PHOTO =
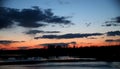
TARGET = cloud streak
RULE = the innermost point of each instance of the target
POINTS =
(112, 40)
(113, 33)
(91, 38)
(55, 44)
(69, 36)
(33, 32)
(113, 22)
(6, 42)
(23, 48)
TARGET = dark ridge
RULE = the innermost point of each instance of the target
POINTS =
(104, 53)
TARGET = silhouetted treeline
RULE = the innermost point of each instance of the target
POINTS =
(109, 53)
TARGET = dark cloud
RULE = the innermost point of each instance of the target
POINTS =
(69, 36)
(23, 48)
(55, 44)
(2, 2)
(30, 18)
(109, 24)
(113, 22)
(117, 3)
(112, 40)
(5, 21)
(73, 42)
(51, 32)
(113, 33)
(5, 42)
(117, 19)
(31, 32)
(91, 38)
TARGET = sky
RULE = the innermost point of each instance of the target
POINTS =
(31, 23)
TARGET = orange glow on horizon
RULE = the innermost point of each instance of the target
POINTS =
(80, 42)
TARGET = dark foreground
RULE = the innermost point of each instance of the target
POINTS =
(104, 53)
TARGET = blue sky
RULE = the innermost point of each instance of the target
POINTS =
(88, 17)
(95, 12)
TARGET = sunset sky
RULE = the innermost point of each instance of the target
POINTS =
(30, 23)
